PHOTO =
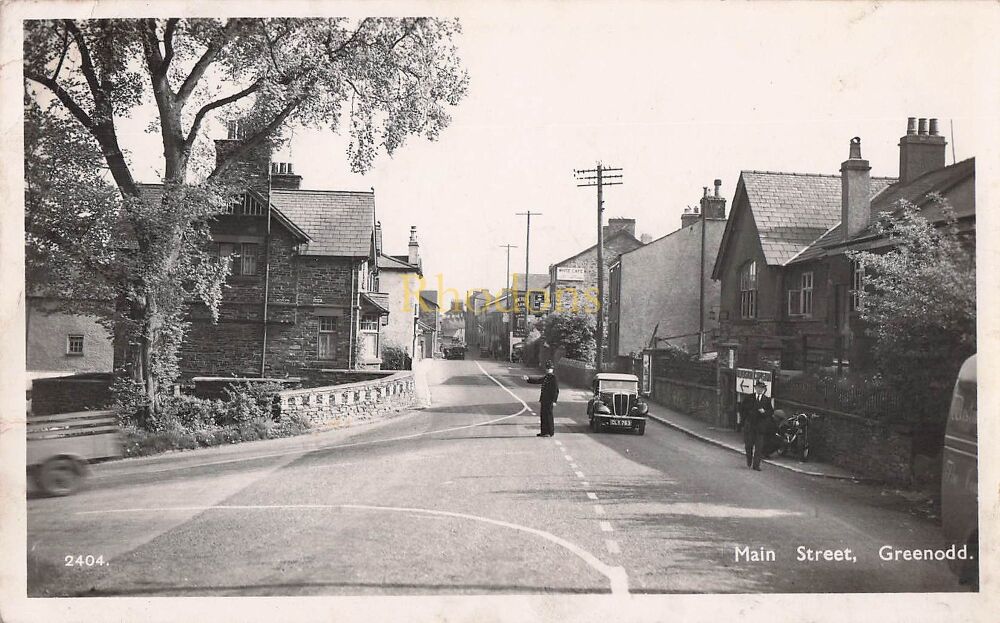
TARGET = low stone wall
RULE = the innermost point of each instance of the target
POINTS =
(700, 401)
(66, 394)
(866, 447)
(354, 402)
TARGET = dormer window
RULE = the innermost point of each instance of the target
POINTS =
(247, 205)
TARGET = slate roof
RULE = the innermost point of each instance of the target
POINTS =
(916, 191)
(617, 234)
(152, 193)
(792, 210)
(340, 223)
(536, 281)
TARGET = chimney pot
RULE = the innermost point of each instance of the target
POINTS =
(911, 125)
(934, 127)
(855, 148)
(705, 189)
(922, 127)
(718, 183)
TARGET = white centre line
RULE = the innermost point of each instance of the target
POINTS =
(606, 526)
(579, 475)
(567, 457)
(559, 443)
(598, 509)
(585, 483)
(612, 546)
(591, 495)
(572, 465)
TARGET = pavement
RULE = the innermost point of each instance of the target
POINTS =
(733, 440)
(461, 498)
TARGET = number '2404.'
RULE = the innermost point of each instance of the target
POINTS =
(84, 561)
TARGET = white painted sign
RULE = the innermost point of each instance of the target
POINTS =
(747, 377)
(570, 274)
(647, 373)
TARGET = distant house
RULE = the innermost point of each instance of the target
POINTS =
(573, 281)
(399, 277)
(429, 323)
(789, 294)
(59, 343)
(656, 297)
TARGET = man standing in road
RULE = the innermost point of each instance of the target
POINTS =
(547, 398)
(756, 411)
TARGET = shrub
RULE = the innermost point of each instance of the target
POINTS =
(395, 358)
(248, 402)
(573, 332)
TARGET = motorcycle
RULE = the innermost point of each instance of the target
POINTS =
(793, 435)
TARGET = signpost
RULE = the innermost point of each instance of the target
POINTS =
(747, 377)
(647, 373)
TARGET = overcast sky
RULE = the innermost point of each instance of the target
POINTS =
(677, 95)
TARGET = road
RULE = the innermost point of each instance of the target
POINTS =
(463, 498)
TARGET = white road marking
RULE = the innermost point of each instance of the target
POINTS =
(559, 443)
(615, 575)
(585, 483)
(612, 546)
(579, 474)
(591, 495)
(569, 458)
(573, 465)
(606, 526)
(598, 509)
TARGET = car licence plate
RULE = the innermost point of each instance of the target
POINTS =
(619, 422)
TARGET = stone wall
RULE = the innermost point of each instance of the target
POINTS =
(866, 447)
(355, 402)
(81, 392)
(700, 401)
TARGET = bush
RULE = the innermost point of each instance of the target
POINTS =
(573, 332)
(247, 403)
(395, 358)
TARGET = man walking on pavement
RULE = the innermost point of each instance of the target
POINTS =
(547, 398)
(756, 411)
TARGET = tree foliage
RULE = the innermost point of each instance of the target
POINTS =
(919, 303)
(384, 78)
(574, 332)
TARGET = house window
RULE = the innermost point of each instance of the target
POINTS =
(248, 257)
(857, 284)
(369, 322)
(74, 344)
(326, 346)
(748, 290)
(800, 301)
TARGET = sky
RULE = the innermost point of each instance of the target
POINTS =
(677, 95)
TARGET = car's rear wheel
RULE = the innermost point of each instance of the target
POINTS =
(59, 476)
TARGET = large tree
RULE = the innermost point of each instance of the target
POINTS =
(384, 78)
(919, 303)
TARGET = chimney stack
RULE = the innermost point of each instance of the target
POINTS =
(414, 256)
(617, 224)
(251, 169)
(921, 149)
(856, 187)
(713, 206)
(283, 177)
(690, 216)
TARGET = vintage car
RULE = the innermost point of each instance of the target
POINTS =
(61, 446)
(454, 352)
(616, 404)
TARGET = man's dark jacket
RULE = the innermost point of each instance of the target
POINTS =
(550, 387)
(749, 409)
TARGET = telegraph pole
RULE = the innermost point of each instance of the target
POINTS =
(508, 247)
(599, 177)
(527, 248)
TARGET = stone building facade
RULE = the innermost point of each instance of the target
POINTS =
(655, 296)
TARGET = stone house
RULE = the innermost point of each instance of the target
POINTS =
(429, 323)
(573, 281)
(303, 293)
(59, 343)
(655, 295)
(789, 295)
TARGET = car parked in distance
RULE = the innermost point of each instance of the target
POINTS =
(454, 352)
